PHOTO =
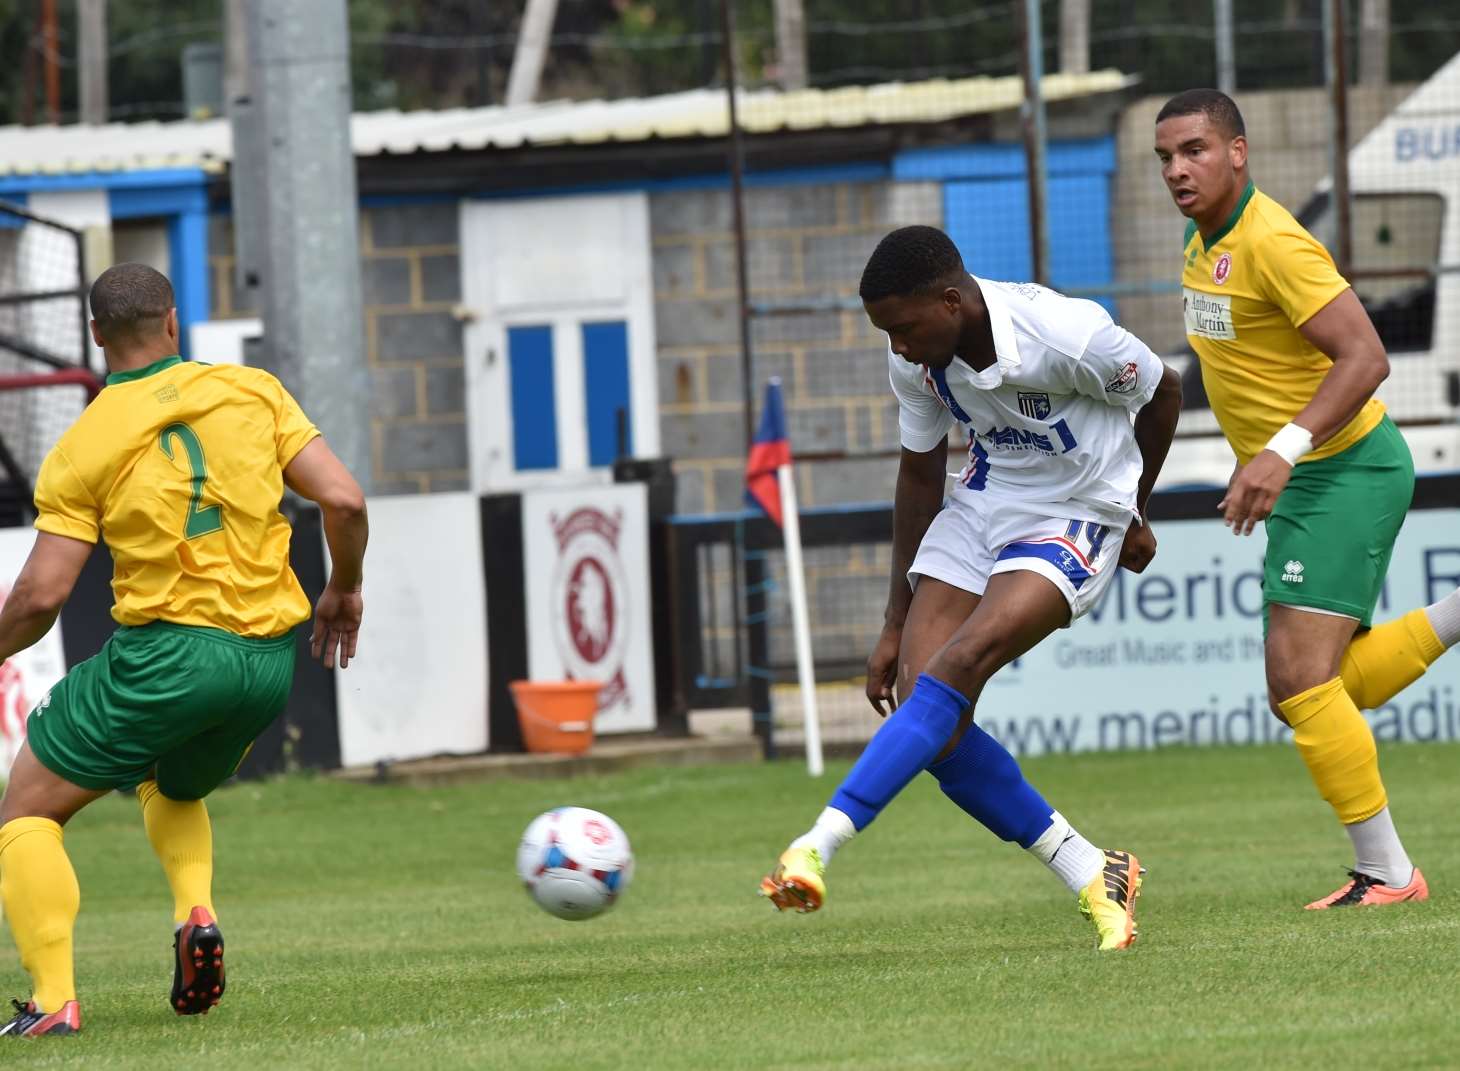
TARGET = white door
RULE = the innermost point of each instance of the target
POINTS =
(559, 341)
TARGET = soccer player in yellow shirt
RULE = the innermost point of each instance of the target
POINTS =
(180, 468)
(1290, 362)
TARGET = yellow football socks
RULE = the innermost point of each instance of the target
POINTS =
(1382, 662)
(41, 899)
(182, 837)
(1337, 746)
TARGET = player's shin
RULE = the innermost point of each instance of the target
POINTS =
(1382, 662)
(182, 837)
(909, 740)
(41, 897)
(986, 782)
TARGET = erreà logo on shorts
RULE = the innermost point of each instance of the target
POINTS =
(1293, 572)
(1207, 315)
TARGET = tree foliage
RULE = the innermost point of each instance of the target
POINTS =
(448, 53)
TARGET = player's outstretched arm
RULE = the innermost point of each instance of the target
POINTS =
(318, 475)
(917, 500)
(40, 591)
(1154, 430)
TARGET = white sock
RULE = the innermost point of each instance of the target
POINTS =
(1074, 859)
(831, 831)
(1445, 618)
(1378, 852)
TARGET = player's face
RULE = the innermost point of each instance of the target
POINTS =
(920, 329)
(1199, 164)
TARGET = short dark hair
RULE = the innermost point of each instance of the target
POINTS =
(1220, 110)
(130, 301)
(911, 260)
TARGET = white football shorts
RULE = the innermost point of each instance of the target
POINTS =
(967, 543)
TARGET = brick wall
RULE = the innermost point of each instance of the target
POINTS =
(411, 279)
(804, 242)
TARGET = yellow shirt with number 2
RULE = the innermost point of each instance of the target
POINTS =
(1245, 292)
(178, 466)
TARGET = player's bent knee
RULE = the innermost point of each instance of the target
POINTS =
(972, 660)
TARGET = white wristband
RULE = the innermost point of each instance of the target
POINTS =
(1291, 443)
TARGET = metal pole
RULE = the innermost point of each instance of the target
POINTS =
(737, 210)
(791, 43)
(92, 60)
(1032, 121)
(1374, 42)
(532, 46)
(1226, 46)
(235, 56)
(757, 632)
(308, 252)
(50, 44)
(1074, 36)
(1336, 76)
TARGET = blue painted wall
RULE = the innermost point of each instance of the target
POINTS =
(986, 208)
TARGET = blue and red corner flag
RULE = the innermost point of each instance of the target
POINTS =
(768, 452)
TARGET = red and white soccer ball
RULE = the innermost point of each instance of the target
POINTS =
(575, 862)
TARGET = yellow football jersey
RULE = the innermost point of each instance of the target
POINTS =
(1245, 292)
(179, 467)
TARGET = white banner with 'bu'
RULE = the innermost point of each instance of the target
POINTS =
(26, 678)
(1174, 655)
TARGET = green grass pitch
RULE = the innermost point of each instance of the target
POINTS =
(374, 927)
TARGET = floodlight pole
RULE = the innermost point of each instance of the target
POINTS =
(1226, 46)
(1335, 70)
(757, 640)
(1032, 123)
(294, 167)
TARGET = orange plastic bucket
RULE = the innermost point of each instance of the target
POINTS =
(556, 716)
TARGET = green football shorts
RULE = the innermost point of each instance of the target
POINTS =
(180, 702)
(1331, 533)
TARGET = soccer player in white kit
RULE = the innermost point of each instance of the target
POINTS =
(1068, 418)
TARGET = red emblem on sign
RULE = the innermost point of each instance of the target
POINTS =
(1222, 269)
(590, 591)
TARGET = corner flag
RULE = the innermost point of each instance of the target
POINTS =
(770, 450)
(770, 483)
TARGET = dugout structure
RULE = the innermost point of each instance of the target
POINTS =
(46, 377)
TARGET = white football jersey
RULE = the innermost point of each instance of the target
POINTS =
(1049, 423)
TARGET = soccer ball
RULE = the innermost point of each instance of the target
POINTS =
(575, 862)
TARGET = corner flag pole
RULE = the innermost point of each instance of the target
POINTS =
(800, 618)
(768, 463)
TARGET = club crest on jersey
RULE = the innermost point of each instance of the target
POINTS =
(1034, 405)
(1222, 269)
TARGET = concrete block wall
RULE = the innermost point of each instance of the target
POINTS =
(804, 243)
(411, 279)
(1287, 133)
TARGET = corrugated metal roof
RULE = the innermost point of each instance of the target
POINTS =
(698, 113)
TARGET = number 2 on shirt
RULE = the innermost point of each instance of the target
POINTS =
(201, 519)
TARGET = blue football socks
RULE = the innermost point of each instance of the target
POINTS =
(902, 748)
(984, 779)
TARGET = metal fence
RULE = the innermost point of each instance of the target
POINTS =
(44, 379)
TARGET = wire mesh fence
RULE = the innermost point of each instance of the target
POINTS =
(42, 334)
